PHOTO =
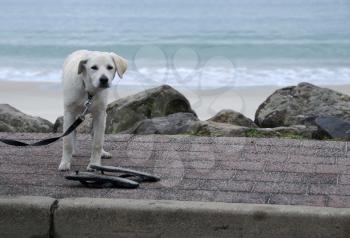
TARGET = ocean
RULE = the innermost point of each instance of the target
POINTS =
(221, 43)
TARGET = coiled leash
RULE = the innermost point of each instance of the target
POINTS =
(48, 141)
(127, 179)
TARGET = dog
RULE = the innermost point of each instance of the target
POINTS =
(88, 73)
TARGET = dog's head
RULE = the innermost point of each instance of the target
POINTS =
(99, 69)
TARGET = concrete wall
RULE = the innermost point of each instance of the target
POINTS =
(25, 217)
(97, 217)
(142, 218)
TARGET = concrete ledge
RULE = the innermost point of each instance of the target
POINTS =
(25, 216)
(91, 217)
(38, 217)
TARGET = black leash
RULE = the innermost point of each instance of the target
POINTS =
(48, 141)
(128, 178)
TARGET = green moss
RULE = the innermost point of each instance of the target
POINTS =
(200, 133)
(254, 133)
(290, 135)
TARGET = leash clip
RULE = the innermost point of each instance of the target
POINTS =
(86, 105)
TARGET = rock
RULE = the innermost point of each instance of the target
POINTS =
(123, 114)
(58, 125)
(293, 132)
(209, 128)
(233, 118)
(298, 105)
(13, 120)
(333, 127)
(5, 127)
(156, 102)
(85, 127)
(188, 123)
(185, 123)
(177, 123)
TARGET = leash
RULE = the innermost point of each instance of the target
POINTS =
(48, 141)
(128, 178)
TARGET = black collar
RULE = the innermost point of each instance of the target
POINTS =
(89, 96)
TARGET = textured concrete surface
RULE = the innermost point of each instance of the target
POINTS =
(149, 218)
(25, 217)
(38, 217)
(232, 170)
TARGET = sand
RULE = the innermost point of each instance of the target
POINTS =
(45, 99)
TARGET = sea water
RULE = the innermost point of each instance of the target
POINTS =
(201, 43)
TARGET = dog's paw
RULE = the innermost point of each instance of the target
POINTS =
(88, 168)
(106, 155)
(75, 151)
(64, 166)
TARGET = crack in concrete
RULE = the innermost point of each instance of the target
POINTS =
(53, 208)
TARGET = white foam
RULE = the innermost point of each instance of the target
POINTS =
(12, 74)
(203, 77)
(228, 77)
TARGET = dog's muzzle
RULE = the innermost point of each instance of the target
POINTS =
(104, 85)
(104, 82)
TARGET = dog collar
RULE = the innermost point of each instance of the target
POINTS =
(89, 96)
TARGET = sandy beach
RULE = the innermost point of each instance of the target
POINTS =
(45, 99)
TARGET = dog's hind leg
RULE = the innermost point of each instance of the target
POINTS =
(75, 149)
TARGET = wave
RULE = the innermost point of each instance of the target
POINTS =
(30, 75)
(210, 77)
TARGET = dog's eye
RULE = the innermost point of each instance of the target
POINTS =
(94, 67)
(109, 67)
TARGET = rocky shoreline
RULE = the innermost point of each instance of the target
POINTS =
(304, 111)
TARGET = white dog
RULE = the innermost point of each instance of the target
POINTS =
(88, 73)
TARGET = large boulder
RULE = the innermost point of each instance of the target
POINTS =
(300, 105)
(233, 118)
(161, 101)
(4, 127)
(125, 113)
(177, 123)
(13, 120)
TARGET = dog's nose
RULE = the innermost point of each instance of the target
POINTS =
(103, 79)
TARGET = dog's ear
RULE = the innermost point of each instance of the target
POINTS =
(81, 66)
(121, 64)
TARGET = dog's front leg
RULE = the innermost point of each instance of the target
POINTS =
(68, 143)
(99, 125)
